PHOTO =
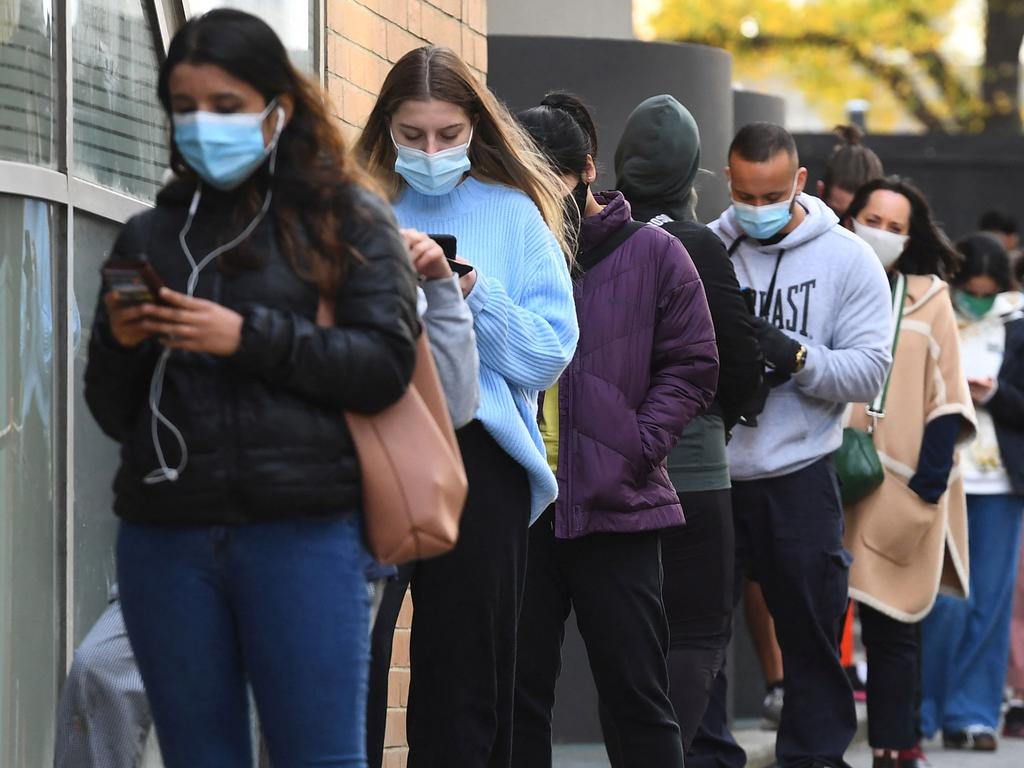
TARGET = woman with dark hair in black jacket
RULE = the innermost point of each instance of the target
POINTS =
(240, 555)
(656, 164)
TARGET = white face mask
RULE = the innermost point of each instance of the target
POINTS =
(888, 246)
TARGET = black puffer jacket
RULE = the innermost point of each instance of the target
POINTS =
(264, 428)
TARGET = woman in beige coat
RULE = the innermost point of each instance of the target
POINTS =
(909, 537)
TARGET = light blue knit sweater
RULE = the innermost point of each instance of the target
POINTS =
(522, 305)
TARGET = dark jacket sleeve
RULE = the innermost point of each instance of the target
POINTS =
(938, 446)
(684, 359)
(117, 378)
(741, 366)
(365, 362)
(1007, 403)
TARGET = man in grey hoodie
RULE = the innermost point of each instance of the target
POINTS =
(822, 306)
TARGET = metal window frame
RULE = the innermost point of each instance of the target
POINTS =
(69, 195)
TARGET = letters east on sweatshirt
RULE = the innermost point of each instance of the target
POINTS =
(832, 295)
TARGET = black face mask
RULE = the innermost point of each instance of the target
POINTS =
(574, 213)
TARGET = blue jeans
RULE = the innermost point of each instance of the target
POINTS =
(283, 606)
(966, 643)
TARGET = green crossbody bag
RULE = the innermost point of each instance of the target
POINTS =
(857, 464)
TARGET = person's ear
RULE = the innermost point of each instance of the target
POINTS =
(589, 171)
(801, 180)
(819, 186)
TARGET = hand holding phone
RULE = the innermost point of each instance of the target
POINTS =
(449, 245)
(133, 280)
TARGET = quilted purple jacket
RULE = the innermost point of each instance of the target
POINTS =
(646, 364)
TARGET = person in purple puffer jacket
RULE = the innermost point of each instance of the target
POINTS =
(645, 366)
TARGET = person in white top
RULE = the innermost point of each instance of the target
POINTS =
(966, 643)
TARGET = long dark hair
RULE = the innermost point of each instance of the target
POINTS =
(500, 150)
(928, 251)
(984, 256)
(315, 174)
(563, 129)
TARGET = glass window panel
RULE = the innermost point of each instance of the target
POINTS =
(119, 126)
(29, 610)
(293, 20)
(27, 82)
(96, 455)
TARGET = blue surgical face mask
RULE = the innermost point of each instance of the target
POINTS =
(436, 174)
(225, 149)
(763, 222)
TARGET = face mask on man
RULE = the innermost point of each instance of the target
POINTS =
(888, 246)
(763, 222)
(225, 150)
(436, 174)
(972, 306)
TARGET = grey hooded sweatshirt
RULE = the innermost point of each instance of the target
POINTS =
(831, 294)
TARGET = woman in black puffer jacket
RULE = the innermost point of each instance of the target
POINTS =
(240, 556)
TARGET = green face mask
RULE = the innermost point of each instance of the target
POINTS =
(974, 306)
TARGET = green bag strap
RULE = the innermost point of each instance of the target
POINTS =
(876, 410)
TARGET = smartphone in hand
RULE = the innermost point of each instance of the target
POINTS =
(135, 281)
(449, 245)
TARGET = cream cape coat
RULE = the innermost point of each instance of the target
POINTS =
(904, 549)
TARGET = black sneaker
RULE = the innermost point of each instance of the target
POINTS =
(1013, 725)
(977, 738)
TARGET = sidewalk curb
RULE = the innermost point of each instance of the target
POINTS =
(760, 745)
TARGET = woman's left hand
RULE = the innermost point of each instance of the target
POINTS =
(196, 325)
(981, 389)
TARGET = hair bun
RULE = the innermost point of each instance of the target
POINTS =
(850, 135)
(574, 107)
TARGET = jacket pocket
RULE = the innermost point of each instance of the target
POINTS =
(896, 520)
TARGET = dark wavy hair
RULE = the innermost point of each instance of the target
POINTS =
(985, 256)
(929, 251)
(315, 174)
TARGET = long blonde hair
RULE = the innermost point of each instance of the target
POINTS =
(500, 151)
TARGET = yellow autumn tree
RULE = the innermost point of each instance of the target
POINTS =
(881, 50)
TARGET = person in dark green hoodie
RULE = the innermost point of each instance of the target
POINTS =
(656, 165)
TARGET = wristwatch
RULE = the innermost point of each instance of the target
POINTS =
(801, 359)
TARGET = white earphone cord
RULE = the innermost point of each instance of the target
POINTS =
(156, 385)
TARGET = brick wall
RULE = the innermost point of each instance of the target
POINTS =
(365, 37)
(395, 749)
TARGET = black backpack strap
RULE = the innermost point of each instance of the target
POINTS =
(736, 244)
(590, 259)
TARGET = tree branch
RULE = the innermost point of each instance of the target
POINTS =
(897, 80)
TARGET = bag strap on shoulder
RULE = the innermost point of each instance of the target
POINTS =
(590, 259)
(876, 409)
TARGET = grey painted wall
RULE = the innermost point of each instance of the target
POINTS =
(561, 18)
(751, 107)
(613, 76)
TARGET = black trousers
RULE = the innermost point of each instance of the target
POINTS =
(894, 679)
(698, 562)
(699, 565)
(467, 603)
(614, 583)
(789, 538)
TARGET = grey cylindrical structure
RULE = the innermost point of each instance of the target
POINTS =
(613, 76)
(752, 107)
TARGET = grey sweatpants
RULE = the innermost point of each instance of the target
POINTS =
(103, 717)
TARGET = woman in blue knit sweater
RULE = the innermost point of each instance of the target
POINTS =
(456, 163)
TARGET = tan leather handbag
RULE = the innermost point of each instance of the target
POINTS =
(414, 483)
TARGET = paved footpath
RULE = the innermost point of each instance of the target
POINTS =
(1009, 755)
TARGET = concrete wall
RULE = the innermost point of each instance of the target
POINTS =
(563, 18)
(613, 76)
(751, 107)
